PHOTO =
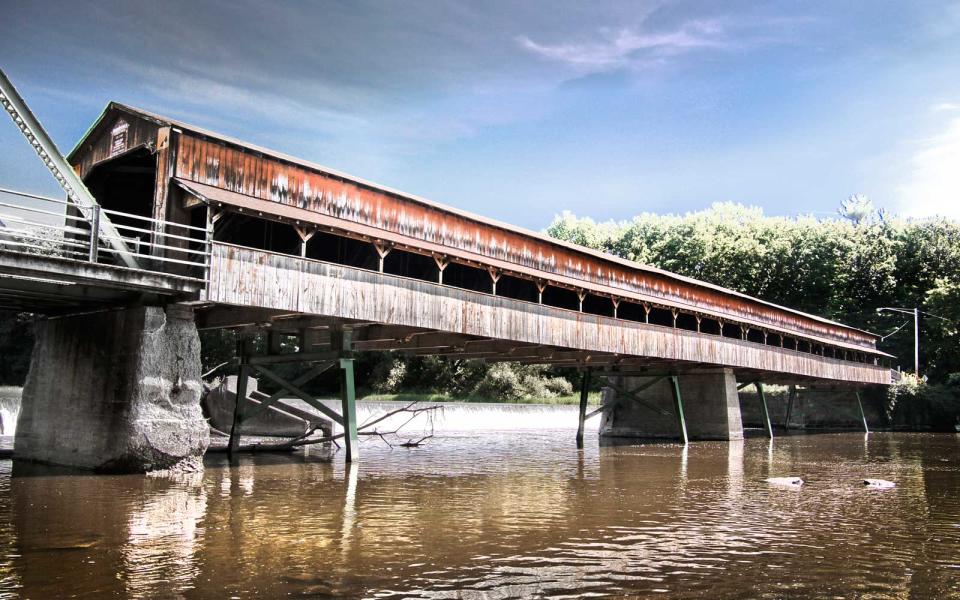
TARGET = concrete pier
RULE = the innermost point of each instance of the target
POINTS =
(115, 391)
(645, 407)
(817, 407)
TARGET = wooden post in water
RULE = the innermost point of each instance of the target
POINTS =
(678, 408)
(763, 404)
(235, 429)
(584, 392)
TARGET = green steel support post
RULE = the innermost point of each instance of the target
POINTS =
(766, 413)
(790, 400)
(863, 416)
(234, 444)
(584, 385)
(348, 396)
(678, 406)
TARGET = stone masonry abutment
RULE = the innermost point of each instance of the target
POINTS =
(115, 391)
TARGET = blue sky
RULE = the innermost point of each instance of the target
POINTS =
(520, 110)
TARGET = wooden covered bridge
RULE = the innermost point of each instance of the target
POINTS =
(203, 229)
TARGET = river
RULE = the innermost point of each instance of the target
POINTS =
(480, 511)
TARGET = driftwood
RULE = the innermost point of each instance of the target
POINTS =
(363, 430)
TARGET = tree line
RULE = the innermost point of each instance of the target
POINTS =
(841, 268)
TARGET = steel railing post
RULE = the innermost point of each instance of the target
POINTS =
(94, 233)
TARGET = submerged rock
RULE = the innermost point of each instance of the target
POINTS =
(785, 481)
(880, 484)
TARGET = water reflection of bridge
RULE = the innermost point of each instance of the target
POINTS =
(536, 516)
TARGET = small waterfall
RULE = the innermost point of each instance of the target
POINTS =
(9, 409)
(470, 416)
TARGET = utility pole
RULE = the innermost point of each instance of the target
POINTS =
(916, 331)
(916, 341)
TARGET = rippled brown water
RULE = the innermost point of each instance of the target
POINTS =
(502, 515)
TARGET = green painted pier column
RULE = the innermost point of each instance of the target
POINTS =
(866, 428)
(348, 396)
(766, 413)
(584, 392)
(678, 408)
(791, 399)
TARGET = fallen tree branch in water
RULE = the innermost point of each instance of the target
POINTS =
(364, 430)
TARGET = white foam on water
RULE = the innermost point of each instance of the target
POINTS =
(9, 410)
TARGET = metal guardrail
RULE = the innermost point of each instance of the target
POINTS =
(39, 225)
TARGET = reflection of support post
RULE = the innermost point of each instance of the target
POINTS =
(678, 408)
(863, 416)
(584, 387)
(383, 249)
(791, 398)
(349, 507)
(763, 404)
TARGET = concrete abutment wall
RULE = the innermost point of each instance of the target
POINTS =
(710, 405)
(818, 406)
(115, 391)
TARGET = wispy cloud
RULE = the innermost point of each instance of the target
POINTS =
(933, 185)
(626, 47)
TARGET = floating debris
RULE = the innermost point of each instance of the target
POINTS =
(879, 484)
(786, 481)
(64, 542)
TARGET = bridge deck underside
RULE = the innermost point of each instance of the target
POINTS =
(249, 287)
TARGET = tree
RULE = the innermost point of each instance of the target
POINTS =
(857, 208)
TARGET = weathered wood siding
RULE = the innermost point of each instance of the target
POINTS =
(279, 182)
(246, 277)
(113, 137)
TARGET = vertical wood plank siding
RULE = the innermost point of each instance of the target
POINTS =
(101, 147)
(246, 277)
(277, 181)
